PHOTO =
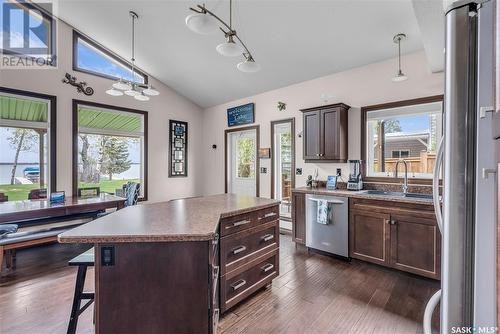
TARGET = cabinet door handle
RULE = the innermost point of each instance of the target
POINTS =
(318, 155)
(392, 222)
(238, 284)
(241, 222)
(267, 215)
(239, 249)
(268, 237)
(267, 267)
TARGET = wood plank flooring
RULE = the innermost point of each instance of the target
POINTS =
(313, 294)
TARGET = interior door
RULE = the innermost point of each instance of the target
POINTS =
(283, 160)
(242, 162)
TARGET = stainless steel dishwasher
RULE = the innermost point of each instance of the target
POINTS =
(333, 237)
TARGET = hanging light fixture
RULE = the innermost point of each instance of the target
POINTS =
(132, 88)
(400, 76)
(205, 22)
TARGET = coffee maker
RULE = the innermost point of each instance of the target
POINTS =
(355, 182)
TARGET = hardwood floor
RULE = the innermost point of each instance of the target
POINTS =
(313, 294)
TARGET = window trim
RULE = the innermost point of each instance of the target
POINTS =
(389, 105)
(53, 33)
(76, 103)
(77, 35)
(52, 133)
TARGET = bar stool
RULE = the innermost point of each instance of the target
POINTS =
(83, 261)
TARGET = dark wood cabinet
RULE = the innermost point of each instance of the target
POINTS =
(415, 245)
(249, 254)
(299, 218)
(404, 236)
(369, 236)
(325, 133)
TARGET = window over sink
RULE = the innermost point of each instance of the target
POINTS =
(409, 130)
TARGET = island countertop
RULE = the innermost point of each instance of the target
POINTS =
(190, 219)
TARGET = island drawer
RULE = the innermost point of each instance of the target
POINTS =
(257, 275)
(247, 220)
(243, 247)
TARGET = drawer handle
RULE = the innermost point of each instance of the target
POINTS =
(268, 237)
(241, 222)
(267, 267)
(267, 215)
(238, 284)
(215, 319)
(215, 272)
(239, 249)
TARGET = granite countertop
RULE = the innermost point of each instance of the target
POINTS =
(362, 194)
(191, 219)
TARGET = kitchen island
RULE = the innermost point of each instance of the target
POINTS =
(162, 268)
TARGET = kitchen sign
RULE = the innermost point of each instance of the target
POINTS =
(241, 115)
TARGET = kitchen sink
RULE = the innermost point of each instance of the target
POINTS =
(398, 194)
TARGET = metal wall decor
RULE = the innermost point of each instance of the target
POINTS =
(178, 141)
(281, 106)
(81, 87)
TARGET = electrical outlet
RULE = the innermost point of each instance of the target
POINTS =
(263, 170)
(339, 171)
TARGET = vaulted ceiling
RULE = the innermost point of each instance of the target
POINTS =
(293, 41)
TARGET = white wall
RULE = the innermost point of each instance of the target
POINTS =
(362, 86)
(168, 105)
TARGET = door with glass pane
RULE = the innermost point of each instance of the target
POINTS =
(242, 161)
(283, 164)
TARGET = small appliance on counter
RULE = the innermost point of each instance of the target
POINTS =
(355, 182)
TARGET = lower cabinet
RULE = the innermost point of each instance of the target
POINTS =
(402, 236)
(299, 218)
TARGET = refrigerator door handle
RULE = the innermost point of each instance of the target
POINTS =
(435, 184)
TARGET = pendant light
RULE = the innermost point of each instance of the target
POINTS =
(248, 66)
(205, 22)
(132, 88)
(400, 76)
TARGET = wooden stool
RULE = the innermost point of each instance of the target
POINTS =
(83, 261)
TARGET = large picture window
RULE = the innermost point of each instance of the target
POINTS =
(90, 57)
(409, 130)
(27, 141)
(110, 147)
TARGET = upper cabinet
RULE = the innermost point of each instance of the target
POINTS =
(325, 133)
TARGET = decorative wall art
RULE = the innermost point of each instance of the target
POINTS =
(281, 106)
(81, 87)
(178, 141)
(241, 115)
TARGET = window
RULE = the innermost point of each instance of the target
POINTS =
(245, 156)
(400, 154)
(91, 58)
(409, 130)
(28, 30)
(110, 147)
(27, 138)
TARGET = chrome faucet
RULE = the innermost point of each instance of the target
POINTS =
(405, 184)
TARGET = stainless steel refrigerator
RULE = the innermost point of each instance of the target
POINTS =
(468, 165)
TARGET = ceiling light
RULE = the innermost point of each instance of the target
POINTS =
(132, 92)
(122, 85)
(400, 76)
(151, 91)
(141, 97)
(114, 92)
(248, 66)
(229, 48)
(201, 23)
(131, 87)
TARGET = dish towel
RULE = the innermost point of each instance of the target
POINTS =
(323, 213)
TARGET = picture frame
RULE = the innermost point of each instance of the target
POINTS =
(241, 115)
(331, 182)
(264, 153)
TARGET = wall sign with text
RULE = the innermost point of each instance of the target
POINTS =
(177, 161)
(241, 115)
